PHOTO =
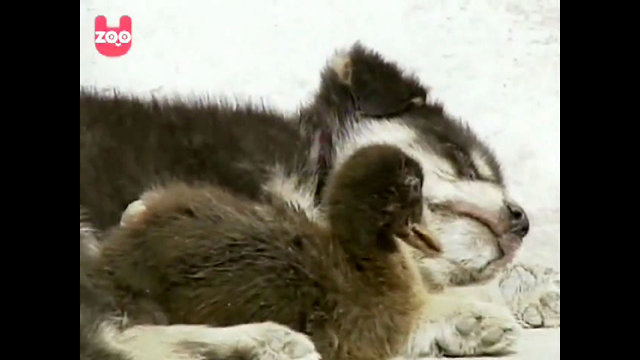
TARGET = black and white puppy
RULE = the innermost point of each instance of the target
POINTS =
(128, 144)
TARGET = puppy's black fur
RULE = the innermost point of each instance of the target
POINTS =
(127, 145)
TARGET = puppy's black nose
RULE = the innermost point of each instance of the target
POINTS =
(519, 220)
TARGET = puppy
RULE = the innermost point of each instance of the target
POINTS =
(201, 255)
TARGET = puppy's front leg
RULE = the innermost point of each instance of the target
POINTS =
(452, 326)
(268, 341)
(533, 294)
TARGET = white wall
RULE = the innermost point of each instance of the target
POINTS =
(493, 63)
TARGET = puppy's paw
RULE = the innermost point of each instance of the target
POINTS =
(278, 342)
(465, 328)
(479, 334)
(533, 294)
(545, 312)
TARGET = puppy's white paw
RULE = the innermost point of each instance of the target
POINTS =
(466, 329)
(533, 294)
(278, 342)
(479, 334)
(540, 311)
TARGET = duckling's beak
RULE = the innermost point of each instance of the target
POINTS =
(421, 239)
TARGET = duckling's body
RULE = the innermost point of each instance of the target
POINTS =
(200, 255)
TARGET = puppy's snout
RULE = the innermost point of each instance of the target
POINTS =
(519, 221)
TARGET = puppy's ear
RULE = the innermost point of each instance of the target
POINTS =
(341, 65)
(378, 87)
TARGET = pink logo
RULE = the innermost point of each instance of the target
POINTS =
(113, 42)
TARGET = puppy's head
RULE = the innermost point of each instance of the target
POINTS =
(467, 206)
(465, 202)
(375, 198)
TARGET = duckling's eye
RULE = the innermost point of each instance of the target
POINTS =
(411, 180)
(472, 176)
